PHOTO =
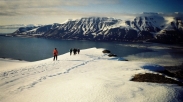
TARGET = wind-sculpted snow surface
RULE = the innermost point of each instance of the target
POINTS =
(90, 76)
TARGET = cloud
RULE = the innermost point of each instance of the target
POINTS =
(35, 10)
(49, 11)
(170, 16)
(44, 7)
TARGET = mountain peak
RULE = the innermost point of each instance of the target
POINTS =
(144, 26)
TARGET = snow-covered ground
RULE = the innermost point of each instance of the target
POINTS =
(90, 76)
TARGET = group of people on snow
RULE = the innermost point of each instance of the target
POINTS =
(75, 51)
(55, 52)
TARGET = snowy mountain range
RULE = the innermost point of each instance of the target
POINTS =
(141, 28)
(17, 26)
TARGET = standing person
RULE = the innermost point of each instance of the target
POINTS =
(78, 51)
(70, 51)
(75, 51)
(55, 53)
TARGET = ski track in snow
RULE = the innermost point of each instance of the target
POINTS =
(9, 77)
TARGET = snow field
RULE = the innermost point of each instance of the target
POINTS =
(90, 76)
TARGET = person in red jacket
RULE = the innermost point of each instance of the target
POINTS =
(55, 53)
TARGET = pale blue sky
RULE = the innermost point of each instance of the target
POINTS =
(58, 11)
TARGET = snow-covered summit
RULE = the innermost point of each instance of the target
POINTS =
(143, 27)
(88, 77)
